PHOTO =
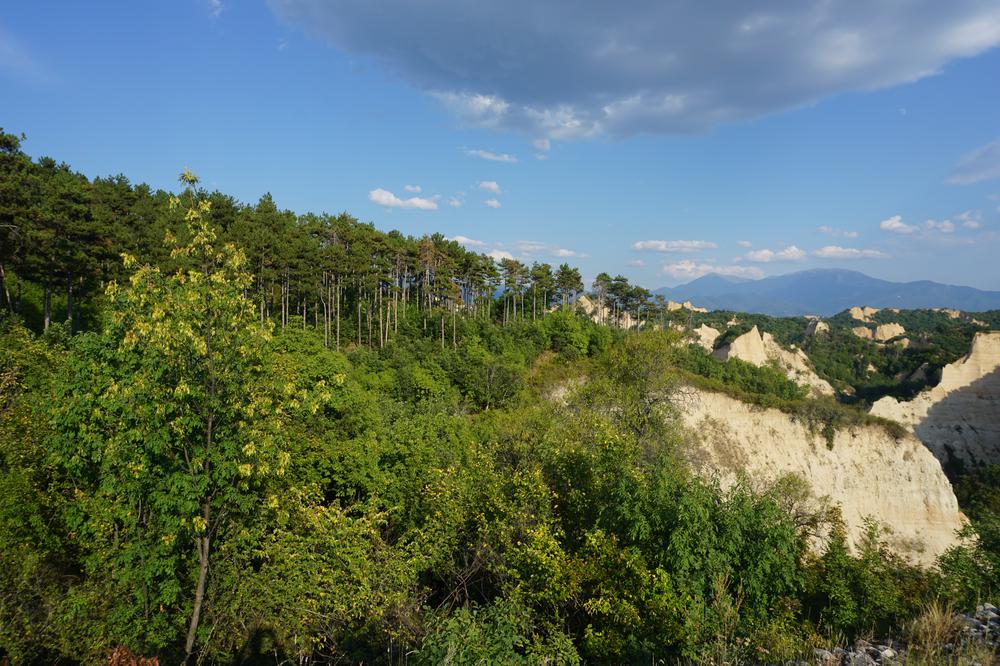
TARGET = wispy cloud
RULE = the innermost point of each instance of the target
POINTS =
(468, 242)
(837, 233)
(744, 243)
(386, 198)
(790, 253)
(416, 189)
(499, 254)
(944, 226)
(493, 203)
(971, 219)
(215, 7)
(896, 225)
(981, 164)
(529, 248)
(838, 252)
(689, 270)
(489, 186)
(491, 156)
(17, 61)
(673, 245)
(455, 202)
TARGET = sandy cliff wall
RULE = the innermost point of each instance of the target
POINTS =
(868, 472)
(959, 419)
(758, 349)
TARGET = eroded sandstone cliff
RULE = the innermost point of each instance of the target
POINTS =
(867, 471)
(760, 350)
(959, 419)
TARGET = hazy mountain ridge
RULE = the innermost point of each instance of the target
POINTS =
(825, 292)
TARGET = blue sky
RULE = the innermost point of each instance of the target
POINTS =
(662, 141)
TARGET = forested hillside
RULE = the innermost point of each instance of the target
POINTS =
(231, 434)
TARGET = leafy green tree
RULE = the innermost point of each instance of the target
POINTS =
(171, 429)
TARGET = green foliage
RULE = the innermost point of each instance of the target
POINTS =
(301, 439)
(870, 592)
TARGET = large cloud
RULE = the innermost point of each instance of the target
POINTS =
(577, 69)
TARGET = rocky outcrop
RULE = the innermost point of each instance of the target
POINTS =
(959, 419)
(881, 333)
(603, 315)
(817, 326)
(886, 332)
(867, 471)
(760, 350)
(686, 305)
(958, 314)
(864, 314)
(705, 336)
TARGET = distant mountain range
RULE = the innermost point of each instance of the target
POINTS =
(825, 292)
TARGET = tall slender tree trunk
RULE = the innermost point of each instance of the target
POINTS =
(47, 306)
(203, 543)
(6, 290)
(69, 305)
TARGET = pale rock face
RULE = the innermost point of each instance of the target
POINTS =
(959, 419)
(884, 332)
(862, 332)
(817, 326)
(952, 314)
(760, 350)
(868, 472)
(603, 315)
(705, 336)
(863, 313)
(686, 305)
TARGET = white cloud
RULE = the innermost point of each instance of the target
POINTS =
(689, 270)
(455, 202)
(468, 242)
(837, 252)
(529, 248)
(744, 243)
(551, 70)
(389, 200)
(215, 6)
(492, 203)
(674, 245)
(499, 254)
(944, 226)
(838, 233)
(416, 189)
(491, 156)
(895, 225)
(489, 186)
(790, 253)
(971, 219)
(981, 164)
(637, 263)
